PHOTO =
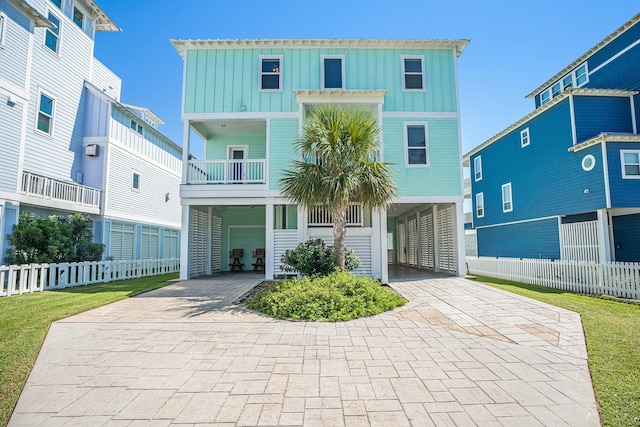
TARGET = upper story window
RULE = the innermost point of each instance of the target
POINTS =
(416, 143)
(52, 35)
(479, 205)
(524, 137)
(507, 199)
(78, 17)
(57, 3)
(135, 184)
(581, 75)
(332, 72)
(136, 126)
(412, 73)
(477, 168)
(577, 78)
(630, 163)
(44, 122)
(271, 73)
(3, 20)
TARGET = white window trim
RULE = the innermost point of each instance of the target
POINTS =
(3, 28)
(574, 81)
(260, 73)
(53, 112)
(477, 168)
(135, 172)
(322, 58)
(525, 135)
(424, 83)
(480, 196)
(84, 16)
(61, 5)
(584, 160)
(507, 185)
(406, 144)
(46, 30)
(622, 163)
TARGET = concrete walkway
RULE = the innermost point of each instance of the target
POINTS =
(458, 354)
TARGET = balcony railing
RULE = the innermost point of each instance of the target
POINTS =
(321, 217)
(226, 171)
(54, 189)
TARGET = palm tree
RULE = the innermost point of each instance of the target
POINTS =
(338, 149)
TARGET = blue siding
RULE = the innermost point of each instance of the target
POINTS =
(625, 193)
(620, 73)
(546, 179)
(626, 230)
(534, 239)
(597, 114)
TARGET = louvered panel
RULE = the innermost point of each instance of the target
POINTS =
(446, 240)
(360, 244)
(412, 241)
(283, 240)
(197, 243)
(115, 246)
(170, 244)
(402, 243)
(216, 243)
(128, 242)
(426, 239)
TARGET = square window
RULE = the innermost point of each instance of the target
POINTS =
(479, 205)
(270, 73)
(412, 73)
(332, 72)
(507, 202)
(45, 114)
(78, 17)
(630, 163)
(52, 35)
(477, 168)
(524, 137)
(136, 181)
(417, 144)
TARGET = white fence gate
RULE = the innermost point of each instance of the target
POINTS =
(621, 279)
(579, 241)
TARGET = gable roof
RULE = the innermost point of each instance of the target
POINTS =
(183, 45)
(587, 54)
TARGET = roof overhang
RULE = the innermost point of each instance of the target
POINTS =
(30, 12)
(102, 20)
(147, 112)
(183, 45)
(605, 137)
(587, 54)
(558, 99)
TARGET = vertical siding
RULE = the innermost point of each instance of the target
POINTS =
(442, 177)
(626, 230)
(534, 239)
(625, 193)
(10, 136)
(283, 132)
(217, 146)
(223, 80)
(597, 114)
(97, 114)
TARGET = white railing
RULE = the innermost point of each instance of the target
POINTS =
(226, 171)
(321, 217)
(621, 279)
(29, 278)
(54, 189)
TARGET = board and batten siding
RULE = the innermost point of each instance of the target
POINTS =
(155, 183)
(283, 133)
(218, 146)
(13, 58)
(442, 176)
(97, 113)
(598, 114)
(10, 135)
(227, 80)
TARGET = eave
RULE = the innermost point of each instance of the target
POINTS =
(30, 12)
(102, 20)
(374, 96)
(183, 45)
(605, 137)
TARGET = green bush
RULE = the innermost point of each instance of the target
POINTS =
(337, 297)
(313, 258)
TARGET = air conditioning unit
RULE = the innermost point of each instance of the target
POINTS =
(91, 150)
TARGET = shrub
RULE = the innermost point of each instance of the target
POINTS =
(313, 258)
(337, 297)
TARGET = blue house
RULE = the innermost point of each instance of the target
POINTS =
(563, 182)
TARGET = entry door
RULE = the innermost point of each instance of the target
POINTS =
(237, 156)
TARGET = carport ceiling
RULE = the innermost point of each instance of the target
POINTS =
(402, 208)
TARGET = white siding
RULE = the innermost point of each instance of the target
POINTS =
(97, 114)
(105, 79)
(10, 120)
(13, 58)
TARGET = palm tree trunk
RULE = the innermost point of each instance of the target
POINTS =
(339, 231)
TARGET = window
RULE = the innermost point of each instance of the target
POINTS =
(136, 181)
(524, 137)
(78, 17)
(567, 82)
(544, 97)
(3, 20)
(413, 78)
(270, 73)
(57, 3)
(52, 35)
(417, 144)
(136, 126)
(577, 78)
(332, 72)
(479, 205)
(44, 122)
(555, 90)
(630, 163)
(477, 168)
(507, 202)
(581, 75)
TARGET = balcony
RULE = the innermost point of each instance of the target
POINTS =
(226, 171)
(50, 189)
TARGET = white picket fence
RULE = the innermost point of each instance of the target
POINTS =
(621, 279)
(29, 278)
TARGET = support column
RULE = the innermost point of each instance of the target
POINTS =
(186, 141)
(184, 243)
(270, 245)
(436, 240)
(375, 245)
(209, 240)
(460, 238)
(384, 250)
(604, 239)
(303, 233)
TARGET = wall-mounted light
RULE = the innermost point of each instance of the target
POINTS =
(586, 191)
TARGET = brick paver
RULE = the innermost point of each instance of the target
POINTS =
(459, 353)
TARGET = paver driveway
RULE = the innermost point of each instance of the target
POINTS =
(459, 353)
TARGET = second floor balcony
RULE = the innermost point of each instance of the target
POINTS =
(245, 171)
(57, 193)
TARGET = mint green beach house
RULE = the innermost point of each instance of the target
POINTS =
(247, 100)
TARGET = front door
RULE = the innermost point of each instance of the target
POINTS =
(236, 163)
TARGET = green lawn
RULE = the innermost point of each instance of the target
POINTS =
(25, 319)
(612, 331)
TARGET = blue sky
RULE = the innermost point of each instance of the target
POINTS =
(515, 45)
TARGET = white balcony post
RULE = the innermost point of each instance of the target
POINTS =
(185, 156)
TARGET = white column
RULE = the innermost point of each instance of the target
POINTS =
(209, 240)
(303, 234)
(186, 141)
(184, 243)
(384, 258)
(270, 245)
(604, 241)
(462, 261)
(375, 245)
(436, 239)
